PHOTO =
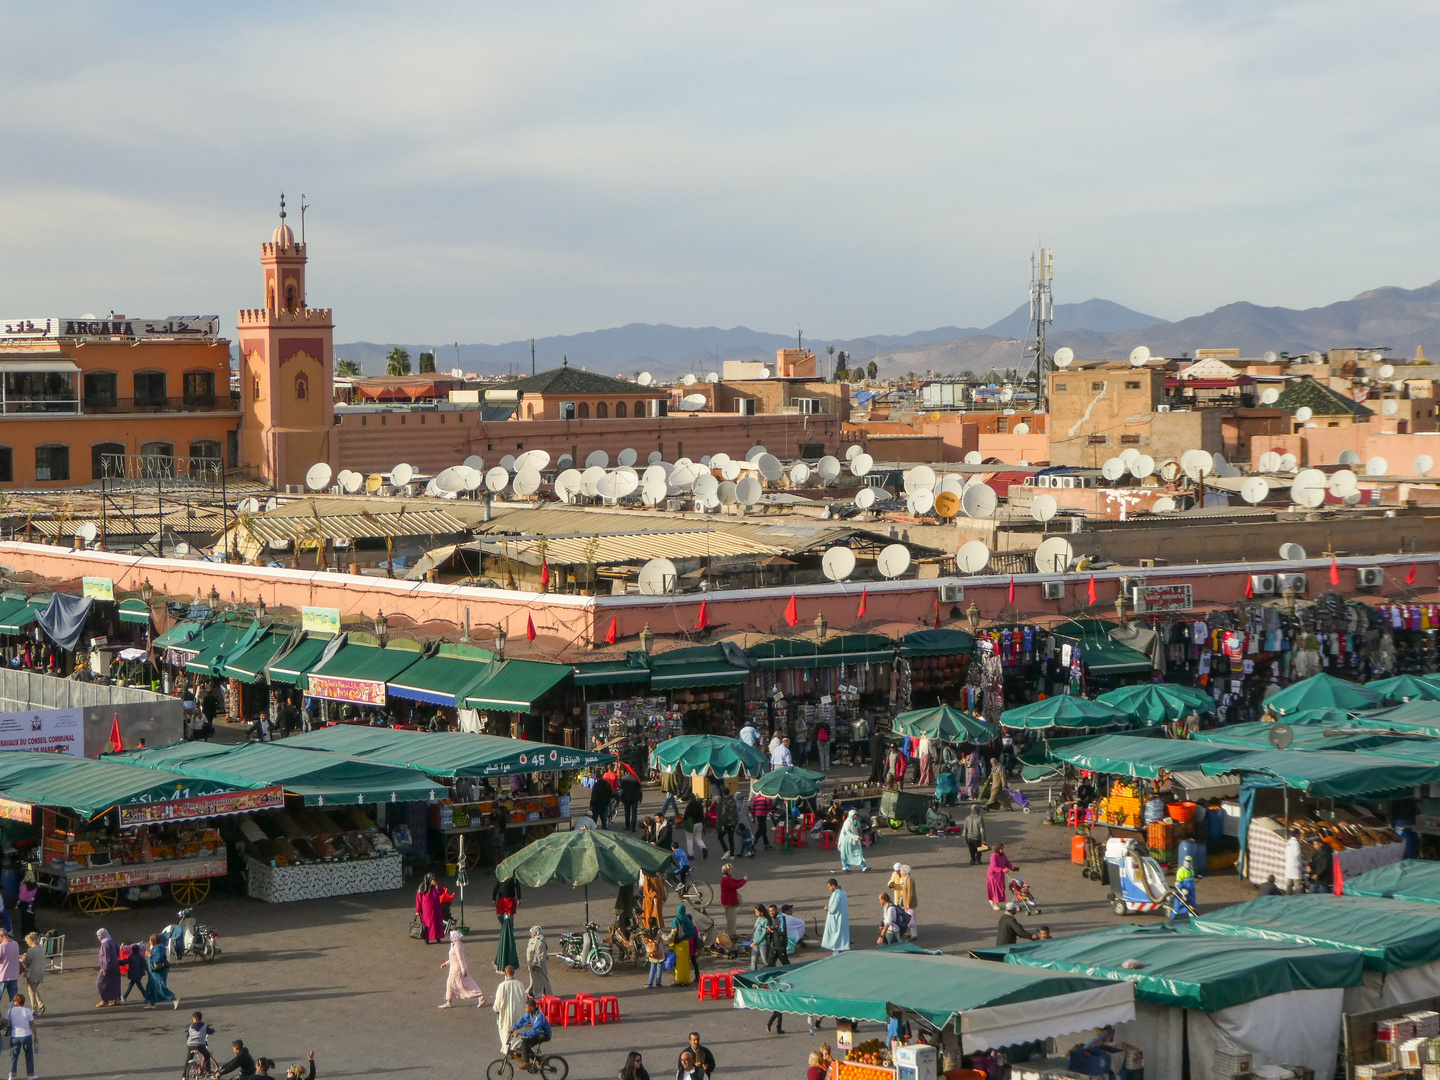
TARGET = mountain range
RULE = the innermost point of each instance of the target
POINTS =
(1096, 329)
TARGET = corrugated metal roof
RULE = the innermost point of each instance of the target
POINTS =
(628, 548)
(354, 526)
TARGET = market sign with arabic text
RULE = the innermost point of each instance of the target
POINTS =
(201, 806)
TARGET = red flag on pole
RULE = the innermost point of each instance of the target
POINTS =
(937, 613)
(1334, 571)
(544, 575)
(1090, 590)
(1410, 577)
(1011, 598)
(529, 628)
(116, 743)
(703, 619)
(613, 634)
(1249, 587)
(863, 598)
(792, 612)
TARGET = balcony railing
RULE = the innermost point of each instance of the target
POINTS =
(48, 406)
(187, 404)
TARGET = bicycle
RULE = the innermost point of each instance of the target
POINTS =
(695, 892)
(550, 1066)
(195, 1066)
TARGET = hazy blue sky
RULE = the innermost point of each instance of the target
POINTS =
(484, 172)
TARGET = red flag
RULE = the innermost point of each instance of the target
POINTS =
(863, 597)
(1011, 598)
(1249, 587)
(937, 613)
(613, 634)
(1410, 577)
(1334, 571)
(544, 575)
(116, 743)
(529, 628)
(703, 619)
(1090, 591)
(792, 612)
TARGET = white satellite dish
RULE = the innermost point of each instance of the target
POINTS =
(1270, 357)
(590, 478)
(1288, 462)
(766, 373)
(451, 479)
(1113, 469)
(693, 402)
(1422, 465)
(1269, 395)
(1139, 356)
(1142, 466)
(952, 482)
(712, 377)
(747, 491)
(627, 456)
(475, 461)
(838, 563)
(1387, 371)
(655, 455)
(706, 486)
(1064, 356)
(1377, 466)
(607, 487)
(683, 477)
(432, 490)
(402, 474)
(1292, 553)
(829, 469)
(1054, 555)
(689, 380)
(979, 501)
(1390, 406)
(183, 548)
(527, 482)
(564, 461)
(726, 493)
(974, 458)
(353, 483)
(1349, 457)
(731, 470)
(497, 479)
(317, 477)
(658, 577)
(508, 463)
(861, 465)
(659, 473)
(799, 474)
(597, 458)
(538, 460)
(717, 461)
(1254, 489)
(1308, 497)
(1022, 429)
(654, 492)
(1128, 455)
(972, 557)
(865, 498)
(770, 467)
(87, 531)
(1304, 413)
(894, 560)
(1163, 505)
(1269, 462)
(920, 478)
(754, 452)
(853, 451)
(645, 378)
(1044, 507)
(1342, 483)
(922, 501)
(567, 485)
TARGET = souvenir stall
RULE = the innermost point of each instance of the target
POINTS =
(1023, 662)
(1412, 639)
(430, 693)
(25, 645)
(513, 698)
(352, 677)
(939, 661)
(705, 685)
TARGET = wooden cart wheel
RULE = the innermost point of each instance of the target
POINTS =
(472, 850)
(97, 903)
(535, 832)
(189, 893)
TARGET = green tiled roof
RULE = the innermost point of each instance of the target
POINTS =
(1321, 400)
(568, 380)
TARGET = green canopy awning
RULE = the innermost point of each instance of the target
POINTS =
(1330, 773)
(358, 673)
(88, 788)
(634, 670)
(1323, 691)
(993, 1005)
(447, 753)
(134, 611)
(516, 685)
(292, 668)
(699, 665)
(1137, 756)
(218, 642)
(1065, 711)
(782, 653)
(1256, 736)
(707, 755)
(1188, 971)
(945, 724)
(943, 642)
(1390, 935)
(1155, 703)
(179, 634)
(1422, 717)
(858, 649)
(1107, 657)
(1412, 880)
(248, 663)
(443, 679)
(320, 779)
(20, 615)
(1406, 688)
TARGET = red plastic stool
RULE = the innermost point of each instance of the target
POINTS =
(607, 1009)
(827, 840)
(552, 1008)
(574, 1007)
(709, 987)
(801, 837)
(779, 834)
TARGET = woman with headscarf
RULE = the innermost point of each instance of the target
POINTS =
(972, 775)
(923, 751)
(902, 888)
(537, 963)
(157, 990)
(458, 983)
(848, 844)
(682, 940)
(107, 977)
(427, 906)
(652, 899)
(995, 877)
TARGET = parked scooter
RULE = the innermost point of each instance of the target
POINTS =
(188, 936)
(587, 949)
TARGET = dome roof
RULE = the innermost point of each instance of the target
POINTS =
(283, 237)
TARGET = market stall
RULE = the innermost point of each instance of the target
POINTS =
(1158, 703)
(705, 685)
(1323, 691)
(356, 672)
(510, 697)
(938, 662)
(1411, 880)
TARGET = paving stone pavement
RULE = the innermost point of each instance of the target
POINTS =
(342, 976)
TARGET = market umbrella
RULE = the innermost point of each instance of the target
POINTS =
(790, 782)
(945, 724)
(1317, 716)
(582, 856)
(1154, 703)
(1323, 692)
(1406, 688)
(505, 954)
(707, 755)
(1066, 711)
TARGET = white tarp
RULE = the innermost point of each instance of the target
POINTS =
(1380, 989)
(1049, 1018)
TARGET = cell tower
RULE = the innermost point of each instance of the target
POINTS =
(1042, 314)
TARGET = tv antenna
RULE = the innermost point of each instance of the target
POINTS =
(306, 206)
(1042, 314)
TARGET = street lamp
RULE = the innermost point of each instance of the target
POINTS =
(260, 608)
(647, 638)
(972, 616)
(499, 642)
(1288, 598)
(1120, 604)
(147, 592)
(821, 626)
(380, 625)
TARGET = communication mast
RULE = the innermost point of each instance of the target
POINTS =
(1042, 314)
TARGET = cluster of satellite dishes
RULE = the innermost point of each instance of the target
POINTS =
(659, 576)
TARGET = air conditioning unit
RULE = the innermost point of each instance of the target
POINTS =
(1294, 582)
(294, 489)
(1262, 584)
(1066, 481)
(1369, 577)
(951, 594)
(745, 406)
(1052, 590)
(567, 410)
(659, 406)
(808, 405)
(1162, 408)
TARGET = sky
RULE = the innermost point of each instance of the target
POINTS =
(482, 172)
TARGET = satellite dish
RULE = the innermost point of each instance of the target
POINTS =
(1254, 490)
(765, 373)
(920, 478)
(1270, 357)
(1043, 507)
(1281, 736)
(538, 460)
(865, 498)
(1377, 466)
(527, 482)
(769, 466)
(353, 483)
(689, 380)
(1422, 465)
(607, 487)
(1310, 497)
(693, 402)
(1269, 395)
(754, 452)
(591, 477)
(731, 470)
(894, 560)
(1292, 552)
(1390, 406)
(497, 479)
(1022, 429)
(1342, 483)
(563, 462)
(432, 490)
(654, 492)
(951, 482)
(853, 451)
(182, 548)
(317, 477)
(799, 474)
(947, 504)
(1054, 555)
(747, 491)
(1064, 356)
(475, 461)
(1387, 371)
(1308, 478)
(87, 531)
(451, 479)
(374, 482)
(627, 456)
(706, 486)
(979, 501)
(645, 378)
(402, 474)
(1170, 471)
(1129, 454)
(567, 485)
(726, 493)
(712, 377)
(861, 465)
(829, 469)
(1269, 462)
(683, 477)
(1304, 413)
(1142, 466)
(597, 458)
(655, 456)
(508, 463)
(1139, 356)
(972, 557)
(973, 458)
(922, 501)
(1288, 462)
(271, 503)
(717, 461)
(1113, 469)
(656, 473)
(1163, 505)
(838, 563)
(658, 577)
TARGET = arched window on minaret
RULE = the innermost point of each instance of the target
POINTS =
(302, 388)
(270, 297)
(290, 298)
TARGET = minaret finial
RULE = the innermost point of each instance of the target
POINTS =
(282, 206)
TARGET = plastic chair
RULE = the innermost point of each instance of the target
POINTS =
(574, 1007)
(711, 986)
(779, 833)
(608, 1009)
(827, 840)
(801, 837)
(552, 1008)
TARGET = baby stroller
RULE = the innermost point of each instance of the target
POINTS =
(1020, 888)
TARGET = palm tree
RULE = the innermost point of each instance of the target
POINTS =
(397, 362)
(872, 369)
(347, 369)
(426, 363)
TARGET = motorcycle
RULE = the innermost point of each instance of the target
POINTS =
(587, 949)
(188, 935)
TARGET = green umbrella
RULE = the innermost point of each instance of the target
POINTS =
(1065, 711)
(581, 856)
(707, 755)
(790, 782)
(1323, 692)
(1406, 688)
(505, 955)
(1154, 703)
(945, 724)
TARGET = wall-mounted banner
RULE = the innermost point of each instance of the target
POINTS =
(56, 730)
(359, 691)
(1163, 598)
(320, 620)
(200, 806)
(98, 588)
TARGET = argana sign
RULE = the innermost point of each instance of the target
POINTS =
(57, 730)
(206, 327)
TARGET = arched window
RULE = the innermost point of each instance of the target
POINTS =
(639, 409)
(529, 412)
(107, 460)
(149, 389)
(290, 298)
(601, 411)
(157, 459)
(255, 388)
(584, 411)
(302, 388)
(620, 410)
(205, 459)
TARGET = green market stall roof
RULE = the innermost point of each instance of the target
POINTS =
(1390, 935)
(1137, 756)
(134, 611)
(218, 642)
(807, 652)
(291, 668)
(1328, 773)
(177, 635)
(1421, 717)
(19, 614)
(1064, 711)
(248, 663)
(1314, 736)
(1323, 691)
(942, 642)
(1412, 880)
(515, 685)
(320, 779)
(945, 724)
(1189, 971)
(698, 665)
(358, 673)
(1154, 703)
(633, 670)
(445, 677)
(447, 753)
(990, 1005)
(1406, 688)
